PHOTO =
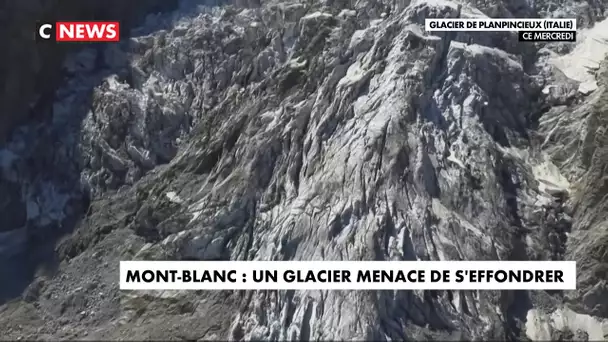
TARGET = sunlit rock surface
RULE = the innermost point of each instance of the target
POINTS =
(308, 131)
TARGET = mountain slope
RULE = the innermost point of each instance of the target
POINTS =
(297, 131)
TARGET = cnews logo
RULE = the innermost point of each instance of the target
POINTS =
(79, 31)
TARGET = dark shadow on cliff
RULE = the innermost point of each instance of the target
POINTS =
(49, 166)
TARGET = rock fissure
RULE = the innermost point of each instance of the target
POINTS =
(306, 131)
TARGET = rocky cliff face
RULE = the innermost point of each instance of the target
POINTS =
(297, 131)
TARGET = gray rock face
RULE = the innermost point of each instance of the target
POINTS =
(299, 131)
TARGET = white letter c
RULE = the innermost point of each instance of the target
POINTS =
(42, 30)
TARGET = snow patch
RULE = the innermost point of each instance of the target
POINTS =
(550, 178)
(318, 15)
(347, 13)
(173, 197)
(539, 325)
(588, 53)
(456, 161)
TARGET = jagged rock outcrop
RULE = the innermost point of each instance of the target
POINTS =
(294, 131)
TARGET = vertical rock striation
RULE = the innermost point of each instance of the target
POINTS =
(298, 131)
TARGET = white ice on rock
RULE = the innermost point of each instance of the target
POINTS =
(591, 48)
(539, 327)
(550, 178)
(302, 131)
